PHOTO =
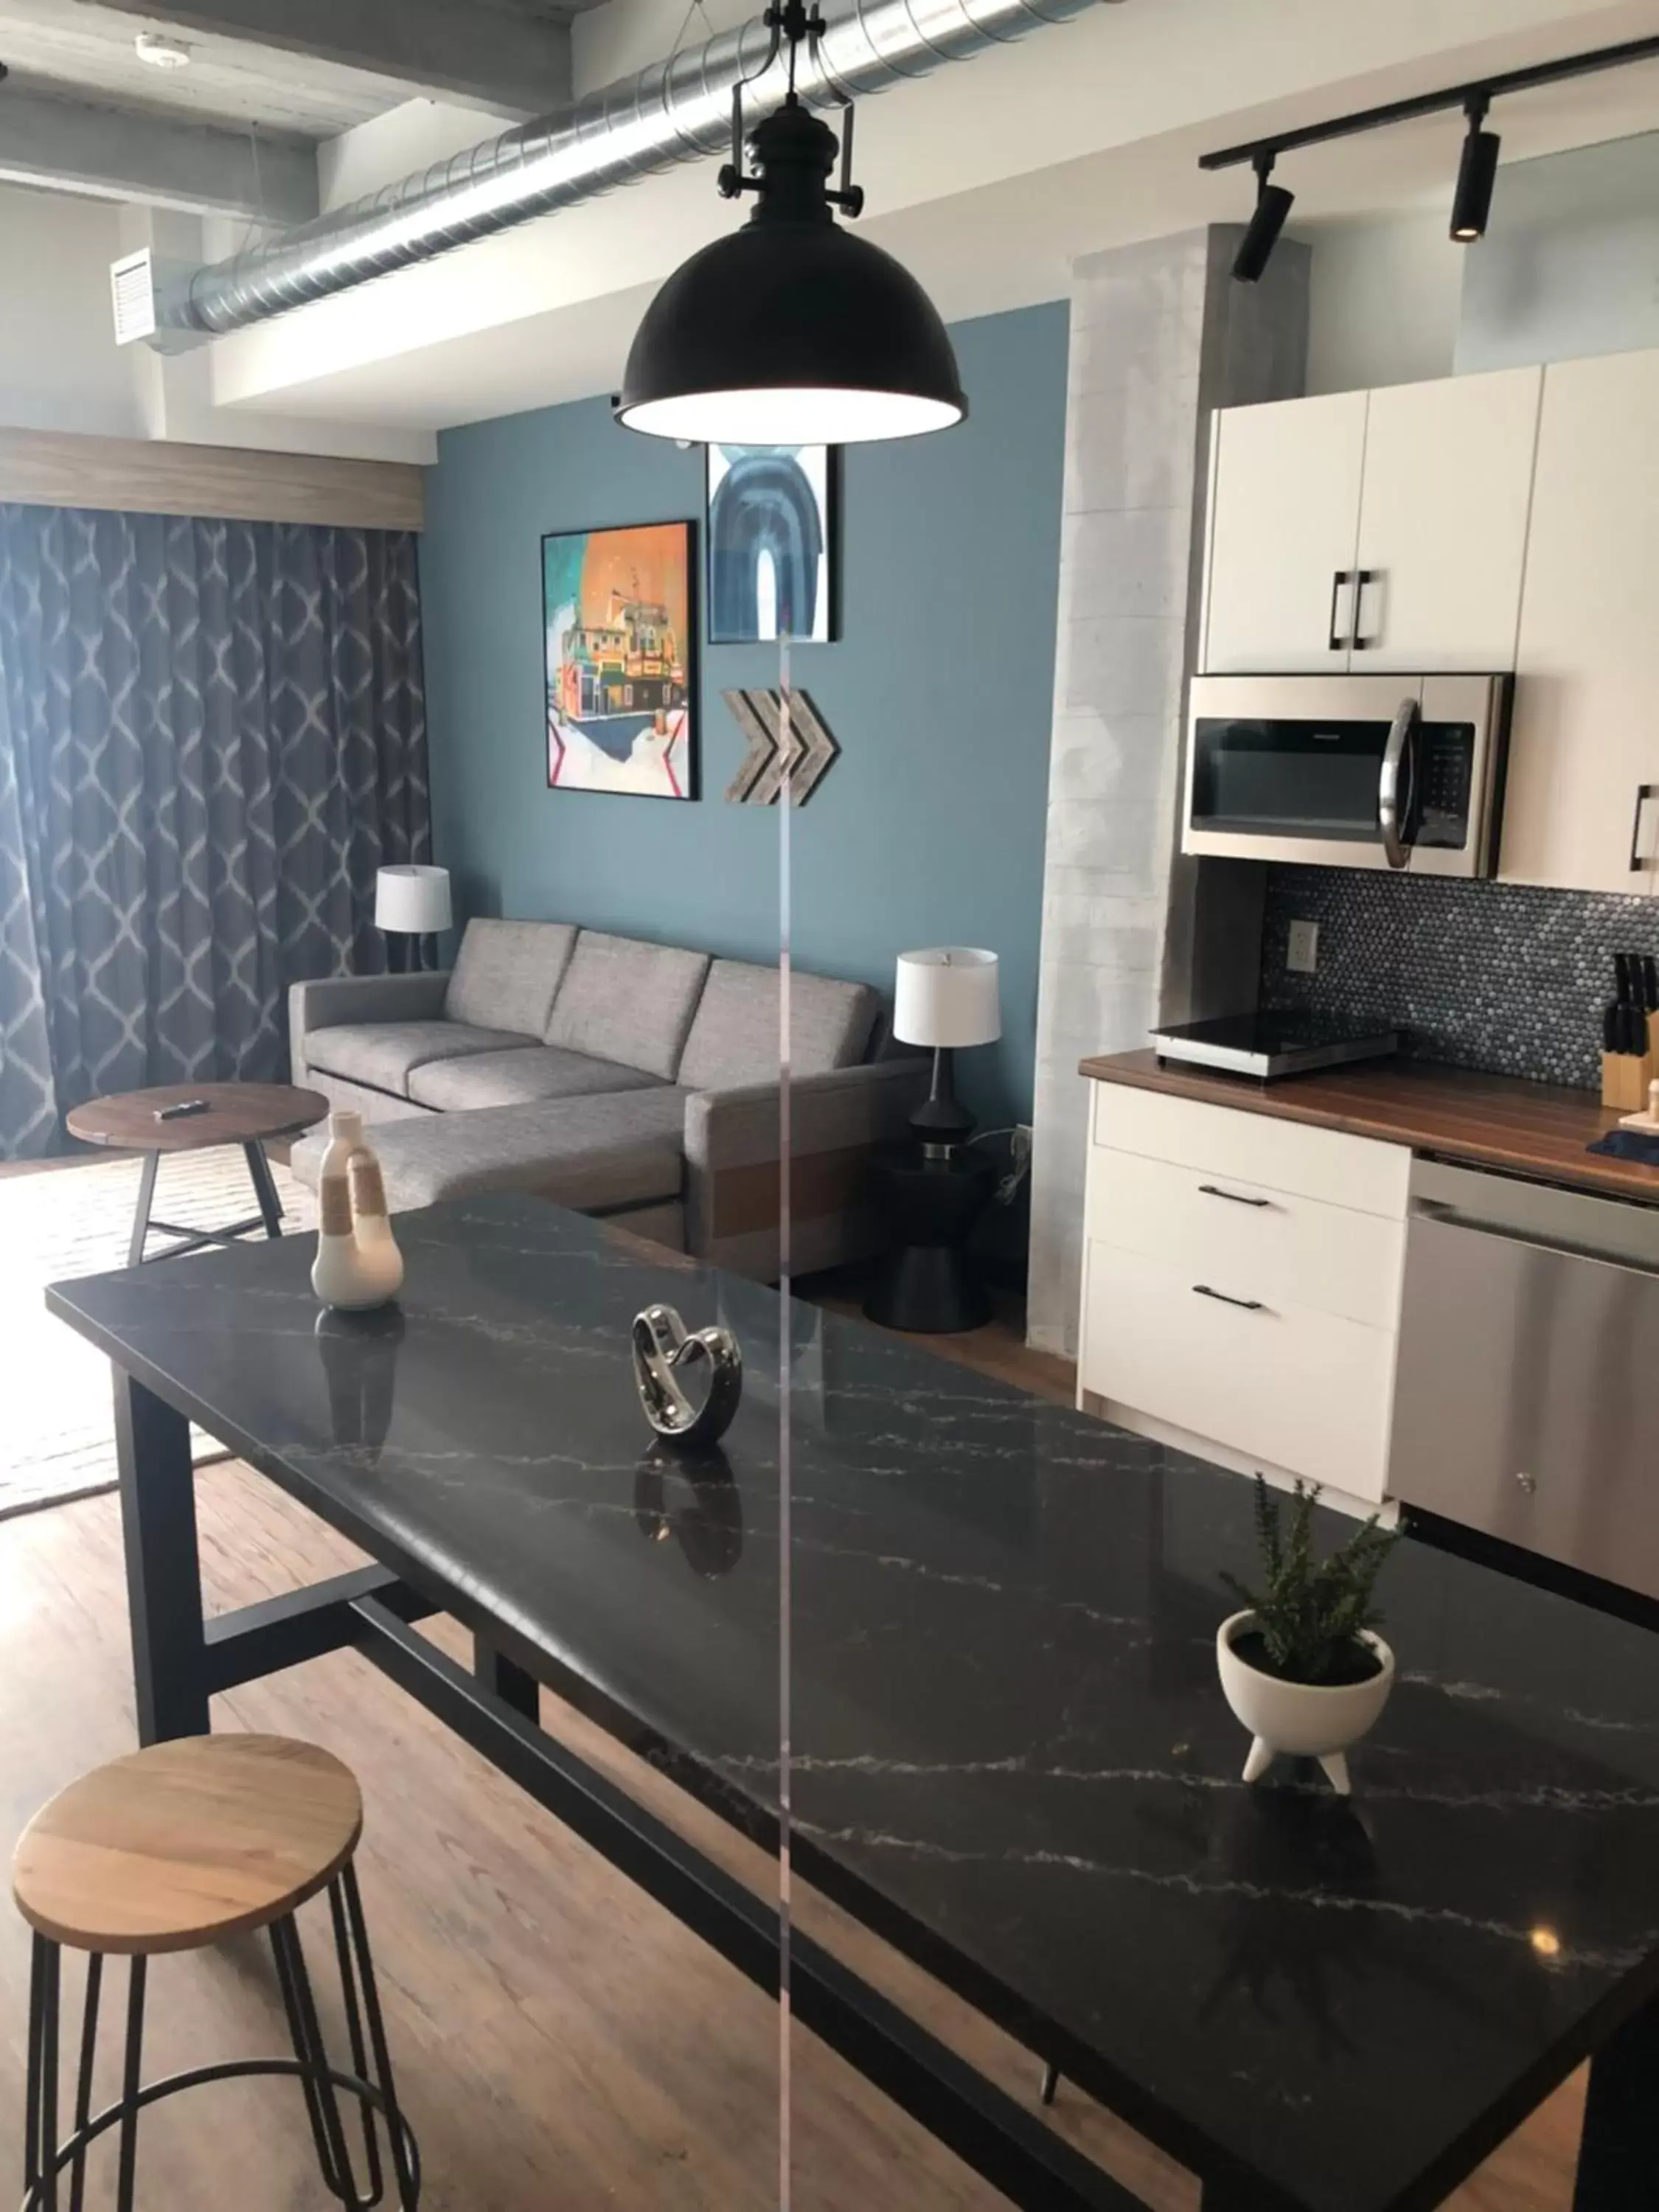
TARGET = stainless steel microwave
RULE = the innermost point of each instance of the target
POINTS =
(1349, 771)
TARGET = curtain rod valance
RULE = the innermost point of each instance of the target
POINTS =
(139, 476)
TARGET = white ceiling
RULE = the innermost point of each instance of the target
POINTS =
(987, 181)
(74, 44)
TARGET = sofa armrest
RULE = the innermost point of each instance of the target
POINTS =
(732, 1155)
(337, 1000)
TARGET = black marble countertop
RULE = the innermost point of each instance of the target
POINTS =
(1010, 1751)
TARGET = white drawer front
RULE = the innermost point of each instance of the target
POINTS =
(1353, 1171)
(1310, 1392)
(1249, 1238)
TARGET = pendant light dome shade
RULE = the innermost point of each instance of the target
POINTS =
(790, 331)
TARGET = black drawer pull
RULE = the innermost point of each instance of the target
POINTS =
(1361, 578)
(1232, 1197)
(1249, 1305)
(1339, 577)
(1644, 791)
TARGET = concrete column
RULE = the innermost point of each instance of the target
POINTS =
(1160, 336)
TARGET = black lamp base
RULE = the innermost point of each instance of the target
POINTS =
(939, 1123)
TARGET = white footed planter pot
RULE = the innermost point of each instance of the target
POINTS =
(1307, 1720)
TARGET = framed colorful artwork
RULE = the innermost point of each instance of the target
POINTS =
(772, 526)
(619, 624)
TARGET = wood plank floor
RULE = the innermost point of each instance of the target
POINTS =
(562, 2042)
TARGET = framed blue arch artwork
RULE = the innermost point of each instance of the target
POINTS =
(772, 529)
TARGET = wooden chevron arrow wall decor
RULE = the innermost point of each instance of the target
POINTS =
(812, 751)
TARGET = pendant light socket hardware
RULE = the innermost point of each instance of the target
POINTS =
(794, 23)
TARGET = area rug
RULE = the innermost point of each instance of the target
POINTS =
(57, 1428)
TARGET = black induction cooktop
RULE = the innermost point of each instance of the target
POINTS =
(1267, 1045)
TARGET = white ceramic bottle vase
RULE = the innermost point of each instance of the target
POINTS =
(358, 1266)
(377, 1247)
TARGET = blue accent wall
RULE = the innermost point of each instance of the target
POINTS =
(929, 830)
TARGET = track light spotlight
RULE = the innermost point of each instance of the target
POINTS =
(1272, 204)
(1476, 171)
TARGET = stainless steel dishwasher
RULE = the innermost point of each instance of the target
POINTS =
(1527, 1395)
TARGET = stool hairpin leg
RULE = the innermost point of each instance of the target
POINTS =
(405, 2168)
(83, 2085)
(354, 2030)
(304, 2035)
(131, 2081)
(54, 1966)
(40, 2118)
(309, 2049)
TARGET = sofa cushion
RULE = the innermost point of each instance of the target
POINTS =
(384, 1054)
(507, 972)
(734, 1038)
(513, 1079)
(593, 1154)
(627, 1001)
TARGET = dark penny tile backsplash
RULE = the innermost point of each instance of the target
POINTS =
(1490, 975)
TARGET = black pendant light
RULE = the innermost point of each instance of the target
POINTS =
(790, 331)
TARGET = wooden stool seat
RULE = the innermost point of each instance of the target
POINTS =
(186, 1842)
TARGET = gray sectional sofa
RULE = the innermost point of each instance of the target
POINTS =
(619, 1078)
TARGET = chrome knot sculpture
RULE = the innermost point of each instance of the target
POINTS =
(664, 1350)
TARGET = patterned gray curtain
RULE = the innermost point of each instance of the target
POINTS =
(211, 735)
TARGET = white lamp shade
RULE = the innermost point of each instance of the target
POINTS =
(947, 997)
(412, 901)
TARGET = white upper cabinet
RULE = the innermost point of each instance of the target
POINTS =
(1582, 803)
(1443, 522)
(1382, 530)
(1284, 518)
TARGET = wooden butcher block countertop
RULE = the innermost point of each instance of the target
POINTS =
(1538, 1129)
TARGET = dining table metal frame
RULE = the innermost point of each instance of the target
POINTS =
(182, 1659)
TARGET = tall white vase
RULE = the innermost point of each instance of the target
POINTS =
(358, 1265)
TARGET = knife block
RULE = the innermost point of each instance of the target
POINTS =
(1626, 1075)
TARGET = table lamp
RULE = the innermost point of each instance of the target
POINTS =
(410, 902)
(945, 997)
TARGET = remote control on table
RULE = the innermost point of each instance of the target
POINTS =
(184, 1109)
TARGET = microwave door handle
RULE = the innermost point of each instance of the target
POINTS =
(1392, 813)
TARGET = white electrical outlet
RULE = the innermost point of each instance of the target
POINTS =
(1302, 954)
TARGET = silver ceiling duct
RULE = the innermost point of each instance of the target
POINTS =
(675, 111)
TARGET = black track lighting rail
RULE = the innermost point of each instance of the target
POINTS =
(1486, 89)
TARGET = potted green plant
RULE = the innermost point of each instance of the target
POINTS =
(1302, 1665)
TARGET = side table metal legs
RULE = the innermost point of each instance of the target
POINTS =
(141, 1218)
(265, 1187)
(144, 1225)
(369, 2081)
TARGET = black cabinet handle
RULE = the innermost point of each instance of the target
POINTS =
(1361, 578)
(1644, 791)
(1339, 577)
(1232, 1197)
(1249, 1305)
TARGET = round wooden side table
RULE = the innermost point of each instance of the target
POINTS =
(243, 1114)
